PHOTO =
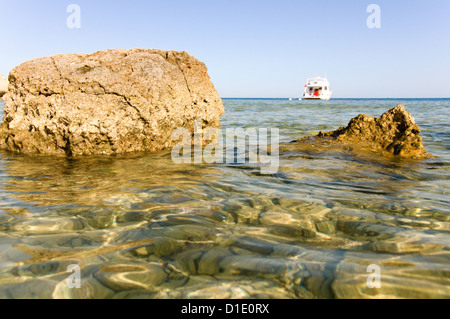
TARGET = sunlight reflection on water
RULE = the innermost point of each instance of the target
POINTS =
(141, 226)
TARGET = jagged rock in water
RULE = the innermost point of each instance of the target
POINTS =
(393, 133)
(108, 102)
(3, 85)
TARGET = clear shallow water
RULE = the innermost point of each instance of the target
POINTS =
(141, 226)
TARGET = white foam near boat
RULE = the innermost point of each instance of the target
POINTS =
(317, 89)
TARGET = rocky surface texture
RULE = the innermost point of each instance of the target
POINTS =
(393, 133)
(108, 102)
(3, 85)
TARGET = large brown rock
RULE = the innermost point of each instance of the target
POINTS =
(108, 102)
(3, 85)
(393, 133)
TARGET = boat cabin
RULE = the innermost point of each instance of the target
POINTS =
(317, 89)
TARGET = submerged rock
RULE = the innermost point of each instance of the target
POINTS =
(108, 102)
(3, 85)
(119, 277)
(394, 133)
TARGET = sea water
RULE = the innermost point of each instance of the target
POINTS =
(325, 225)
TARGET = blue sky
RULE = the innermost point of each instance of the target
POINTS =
(255, 48)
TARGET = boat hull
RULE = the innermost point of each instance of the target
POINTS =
(317, 98)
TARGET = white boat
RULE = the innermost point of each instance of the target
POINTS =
(317, 89)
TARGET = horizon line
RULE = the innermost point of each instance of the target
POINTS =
(343, 98)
